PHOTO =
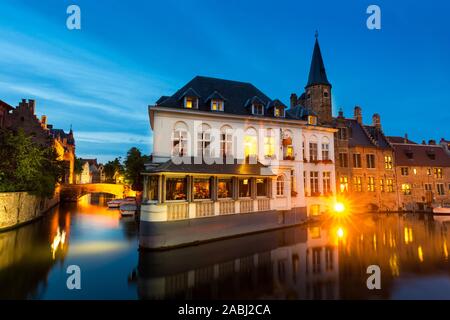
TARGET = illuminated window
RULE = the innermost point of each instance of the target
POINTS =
(179, 143)
(280, 185)
(406, 189)
(289, 153)
(357, 184)
(389, 185)
(388, 162)
(382, 185)
(429, 172)
(357, 160)
(279, 112)
(225, 188)
(405, 171)
(371, 184)
(250, 143)
(313, 151)
(312, 120)
(258, 109)
(269, 144)
(176, 189)
(201, 188)
(216, 105)
(314, 182)
(190, 102)
(326, 183)
(440, 189)
(370, 161)
(343, 184)
(245, 188)
(438, 173)
(261, 187)
(325, 151)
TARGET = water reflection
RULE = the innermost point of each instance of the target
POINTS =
(326, 260)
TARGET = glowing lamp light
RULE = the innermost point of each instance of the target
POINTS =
(339, 207)
(340, 232)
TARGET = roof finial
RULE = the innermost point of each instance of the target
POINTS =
(316, 34)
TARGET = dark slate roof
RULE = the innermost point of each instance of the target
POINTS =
(190, 166)
(90, 161)
(420, 155)
(396, 139)
(363, 135)
(236, 95)
(300, 112)
(317, 73)
(55, 133)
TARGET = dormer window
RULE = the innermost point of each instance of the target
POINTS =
(216, 105)
(279, 112)
(191, 102)
(312, 120)
(258, 109)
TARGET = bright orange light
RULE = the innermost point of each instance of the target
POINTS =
(340, 233)
(339, 207)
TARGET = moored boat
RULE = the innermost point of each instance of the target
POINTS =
(442, 210)
(114, 204)
(128, 209)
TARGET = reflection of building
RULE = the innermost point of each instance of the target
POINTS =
(24, 117)
(294, 263)
(423, 173)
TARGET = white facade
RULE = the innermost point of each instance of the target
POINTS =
(312, 150)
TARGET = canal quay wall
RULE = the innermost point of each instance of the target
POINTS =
(17, 208)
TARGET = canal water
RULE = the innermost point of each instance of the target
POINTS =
(324, 260)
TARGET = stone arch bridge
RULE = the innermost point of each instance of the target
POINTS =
(72, 192)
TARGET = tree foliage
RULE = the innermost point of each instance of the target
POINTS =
(134, 166)
(113, 167)
(28, 166)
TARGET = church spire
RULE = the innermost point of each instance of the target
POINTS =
(317, 73)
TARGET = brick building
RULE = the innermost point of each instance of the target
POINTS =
(423, 173)
(364, 157)
(4, 110)
(24, 117)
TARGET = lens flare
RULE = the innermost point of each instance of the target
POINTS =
(339, 207)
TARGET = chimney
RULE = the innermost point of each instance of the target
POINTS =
(341, 113)
(293, 100)
(424, 142)
(405, 140)
(358, 114)
(432, 142)
(376, 121)
(44, 122)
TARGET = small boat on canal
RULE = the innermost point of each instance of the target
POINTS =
(128, 209)
(114, 204)
(442, 210)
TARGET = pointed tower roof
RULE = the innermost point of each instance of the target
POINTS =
(317, 73)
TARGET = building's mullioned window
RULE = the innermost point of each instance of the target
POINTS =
(343, 160)
(388, 162)
(440, 189)
(152, 188)
(225, 188)
(258, 109)
(370, 158)
(342, 134)
(176, 189)
(406, 189)
(428, 187)
(404, 171)
(429, 171)
(343, 184)
(261, 187)
(226, 144)
(389, 185)
(202, 188)
(312, 120)
(371, 184)
(357, 160)
(325, 151)
(314, 182)
(245, 188)
(250, 144)
(313, 151)
(216, 105)
(179, 143)
(269, 144)
(326, 182)
(280, 185)
(382, 185)
(357, 184)
(203, 144)
(279, 112)
(191, 103)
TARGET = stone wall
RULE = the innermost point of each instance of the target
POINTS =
(17, 208)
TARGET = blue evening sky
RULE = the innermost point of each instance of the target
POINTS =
(101, 78)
